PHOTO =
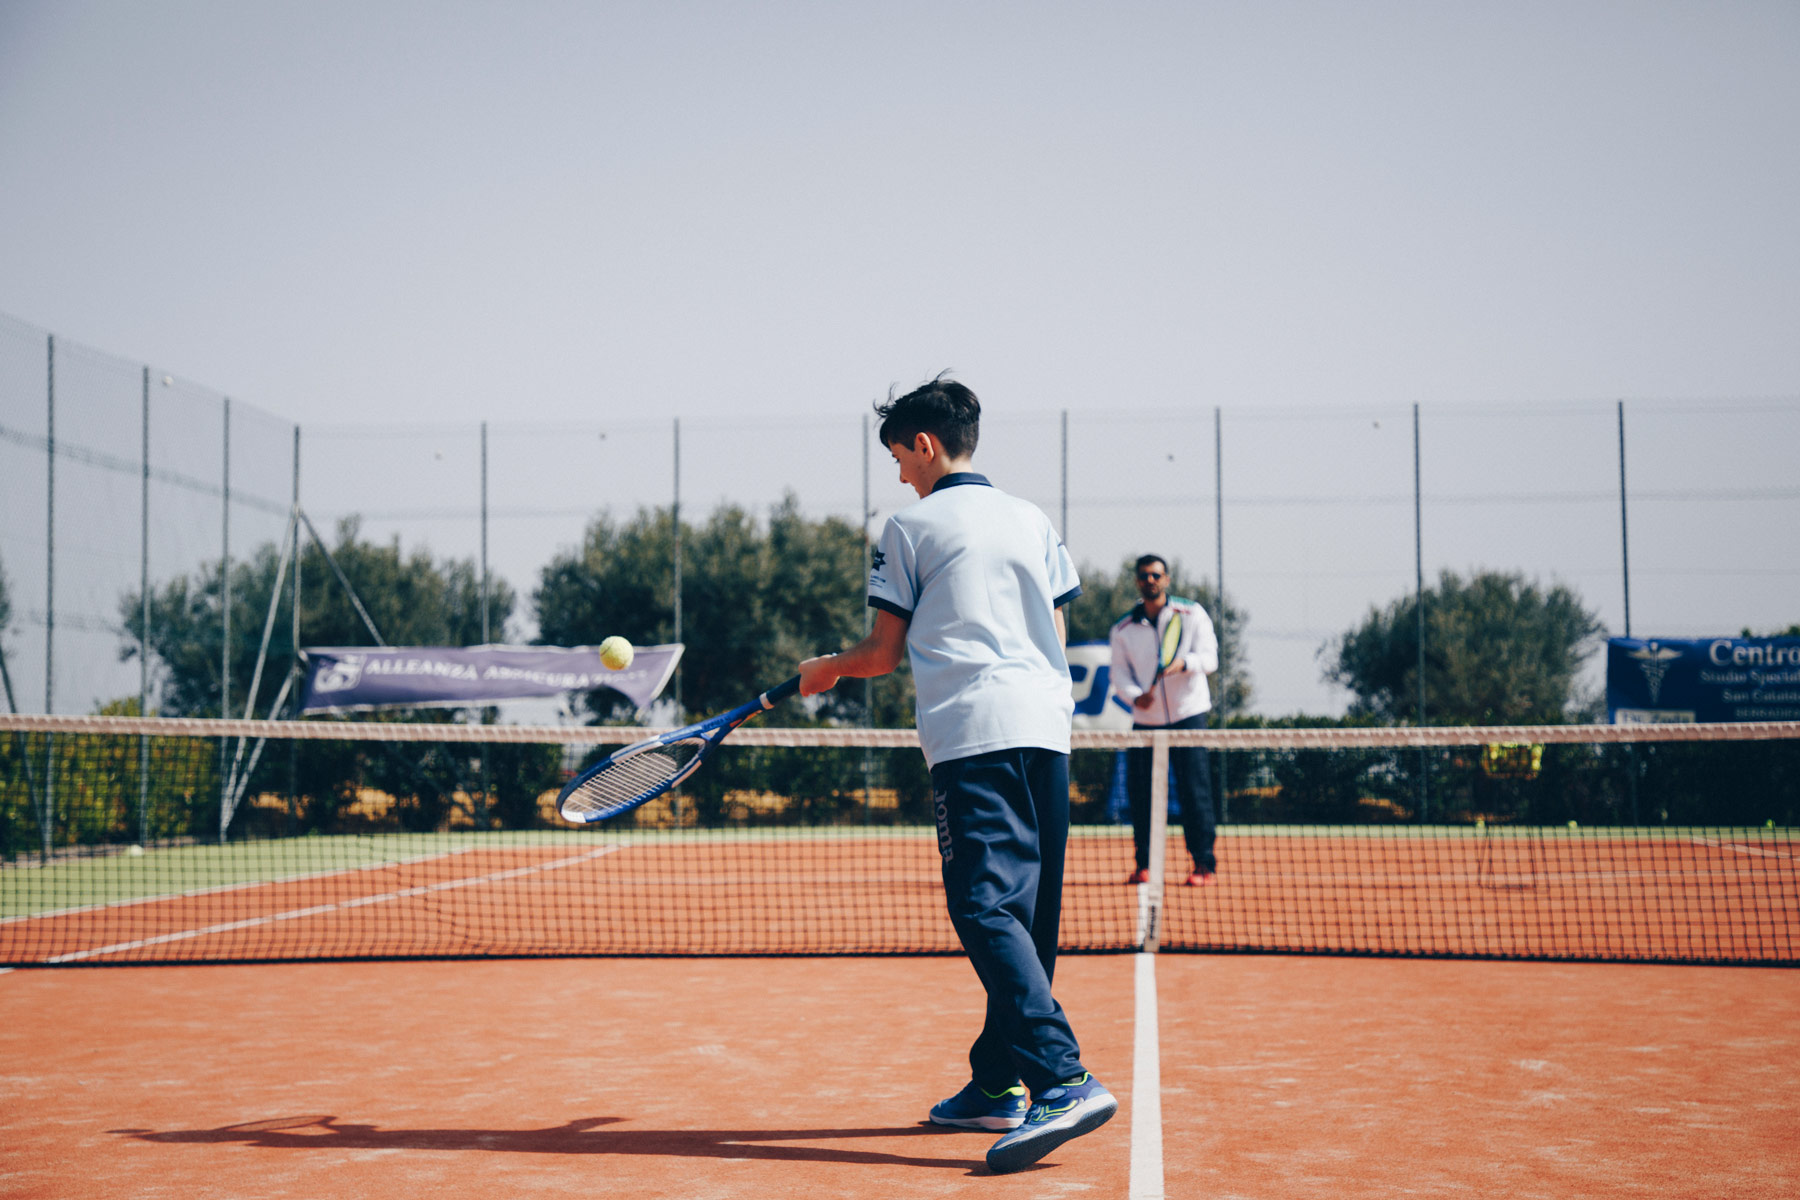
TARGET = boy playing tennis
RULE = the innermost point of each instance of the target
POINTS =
(970, 582)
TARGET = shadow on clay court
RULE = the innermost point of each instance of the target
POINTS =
(582, 1136)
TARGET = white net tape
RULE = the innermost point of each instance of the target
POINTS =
(1217, 739)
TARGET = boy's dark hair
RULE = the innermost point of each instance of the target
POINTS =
(942, 407)
(1145, 560)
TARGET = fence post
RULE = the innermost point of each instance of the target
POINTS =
(1631, 763)
(868, 690)
(1419, 584)
(675, 524)
(293, 745)
(1624, 530)
(224, 614)
(1063, 529)
(1219, 600)
(481, 805)
(144, 624)
(47, 816)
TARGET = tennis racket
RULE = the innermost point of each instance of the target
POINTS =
(1171, 642)
(645, 770)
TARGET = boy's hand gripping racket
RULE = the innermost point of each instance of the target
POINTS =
(645, 770)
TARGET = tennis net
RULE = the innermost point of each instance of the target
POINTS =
(126, 840)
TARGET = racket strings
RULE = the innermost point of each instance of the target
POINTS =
(630, 778)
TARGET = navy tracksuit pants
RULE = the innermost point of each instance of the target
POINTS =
(1003, 825)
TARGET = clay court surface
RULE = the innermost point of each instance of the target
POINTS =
(1293, 1077)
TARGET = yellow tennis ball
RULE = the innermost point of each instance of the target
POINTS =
(616, 653)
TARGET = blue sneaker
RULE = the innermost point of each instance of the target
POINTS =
(1065, 1111)
(977, 1108)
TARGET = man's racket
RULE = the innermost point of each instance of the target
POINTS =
(645, 770)
(1171, 642)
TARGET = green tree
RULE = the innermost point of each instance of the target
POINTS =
(14, 794)
(412, 599)
(5, 624)
(1499, 650)
(756, 599)
(1105, 597)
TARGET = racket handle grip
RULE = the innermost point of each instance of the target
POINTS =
(780, 692)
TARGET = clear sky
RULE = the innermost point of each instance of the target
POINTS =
(442, 212)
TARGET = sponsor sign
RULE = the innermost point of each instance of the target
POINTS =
(1702, 680)
(1090, 677)
(1096, 707)
(358, 678)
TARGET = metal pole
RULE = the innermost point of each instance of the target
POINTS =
(1219, 597)
(1631, 763)
(1624, 532)
(484, 534)
(1419, 585)
(481, 805)
(47, 818)
(868, 616)
(144, 625)
(50, 529)
(1064, 528)
(675, 523)
(224, 612)
(868, 691)
(294, 631)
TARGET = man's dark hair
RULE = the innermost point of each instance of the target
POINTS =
(1145, 560)
(943, 407)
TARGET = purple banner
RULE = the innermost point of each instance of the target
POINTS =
(351, 678)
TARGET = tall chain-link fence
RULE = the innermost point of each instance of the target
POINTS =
(1669, 517)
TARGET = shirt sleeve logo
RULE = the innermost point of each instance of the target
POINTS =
(876, 560)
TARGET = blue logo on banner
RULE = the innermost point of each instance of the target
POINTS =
(1702, 679)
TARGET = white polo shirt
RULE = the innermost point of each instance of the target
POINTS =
(978, 575)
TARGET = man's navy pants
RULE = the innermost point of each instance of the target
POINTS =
(1197, 820)
(1003, 824)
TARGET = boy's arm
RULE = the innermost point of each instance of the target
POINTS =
(876, 654)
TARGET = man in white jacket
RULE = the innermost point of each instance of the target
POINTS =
(1174, 697)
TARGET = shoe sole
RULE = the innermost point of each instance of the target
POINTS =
(1022, 1153)
(988, 1123)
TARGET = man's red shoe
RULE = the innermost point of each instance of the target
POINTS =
(1202, 879)
(1141, 875)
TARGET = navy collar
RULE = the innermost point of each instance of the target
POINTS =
(958, 478)
(1138, 614)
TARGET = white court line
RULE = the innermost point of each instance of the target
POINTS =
(315, 910)
(1146, 1089)
(1718, 845)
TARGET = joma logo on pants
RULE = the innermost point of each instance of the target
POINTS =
(938, 800)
